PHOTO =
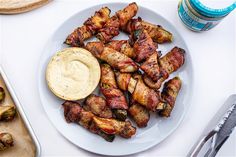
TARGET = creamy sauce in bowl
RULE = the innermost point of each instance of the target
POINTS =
(73, 73)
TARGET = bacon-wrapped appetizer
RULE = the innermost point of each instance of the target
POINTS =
(98, 106)
(156, 32)
(107, 128)
(112, 126)
(122, 46)
(109, 30)
(143, 44)
(151, 67)
(114, 58)
(169, 63)
(126, 14)
(139, 114)
(146, 96)
(74, 113)
(123, 80)
(169, 94)
(114, 96)
(112, 26)
(141, 93)
(90, 28)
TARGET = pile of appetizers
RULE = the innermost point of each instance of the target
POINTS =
(132, 73)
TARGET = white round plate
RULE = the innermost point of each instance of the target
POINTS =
(158, 128)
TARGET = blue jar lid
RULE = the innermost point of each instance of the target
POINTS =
(210, 12)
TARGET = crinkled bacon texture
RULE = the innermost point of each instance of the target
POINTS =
(112, 126)
(169, 94)
(143, 45)
(110, 30)
(156, 32)
(122, 46)
(104, 127)
(169, 63)
(89, 28)
(123, 80)
(151, 67)
(112, 26)
(114, 96)
(146, 96)
(114, 58)
(126, 14)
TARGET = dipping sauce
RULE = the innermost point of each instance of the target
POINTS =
(204, 15)
(73, 73)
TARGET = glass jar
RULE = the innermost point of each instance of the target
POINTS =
(198, 17)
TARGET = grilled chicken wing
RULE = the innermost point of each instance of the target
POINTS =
(114, 58)
(114, 96)
(139, 114)
(151, 67)
(169, 94)
(169, 63)
(90, 27)
(126, 14)
(122, 46)
(98, 106)
(156, 32)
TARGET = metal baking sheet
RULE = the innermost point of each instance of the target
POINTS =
(22, 113)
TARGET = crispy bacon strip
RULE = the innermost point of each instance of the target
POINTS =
(89, 28)
(114, 58)
(169, 94)
(151, 67)
(146, 96)
(98, 106)
(141, 93)
(114, 127)
(156, 32)
(123, 80)
(114, 96)
(74, 113)
(122, 46)
(169, 63)
(139, 114)
(110, 30)
(143, 45)
(126, 14)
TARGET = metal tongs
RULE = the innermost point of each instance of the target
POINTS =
(217, 131)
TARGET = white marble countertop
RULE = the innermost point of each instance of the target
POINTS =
(22, 39)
